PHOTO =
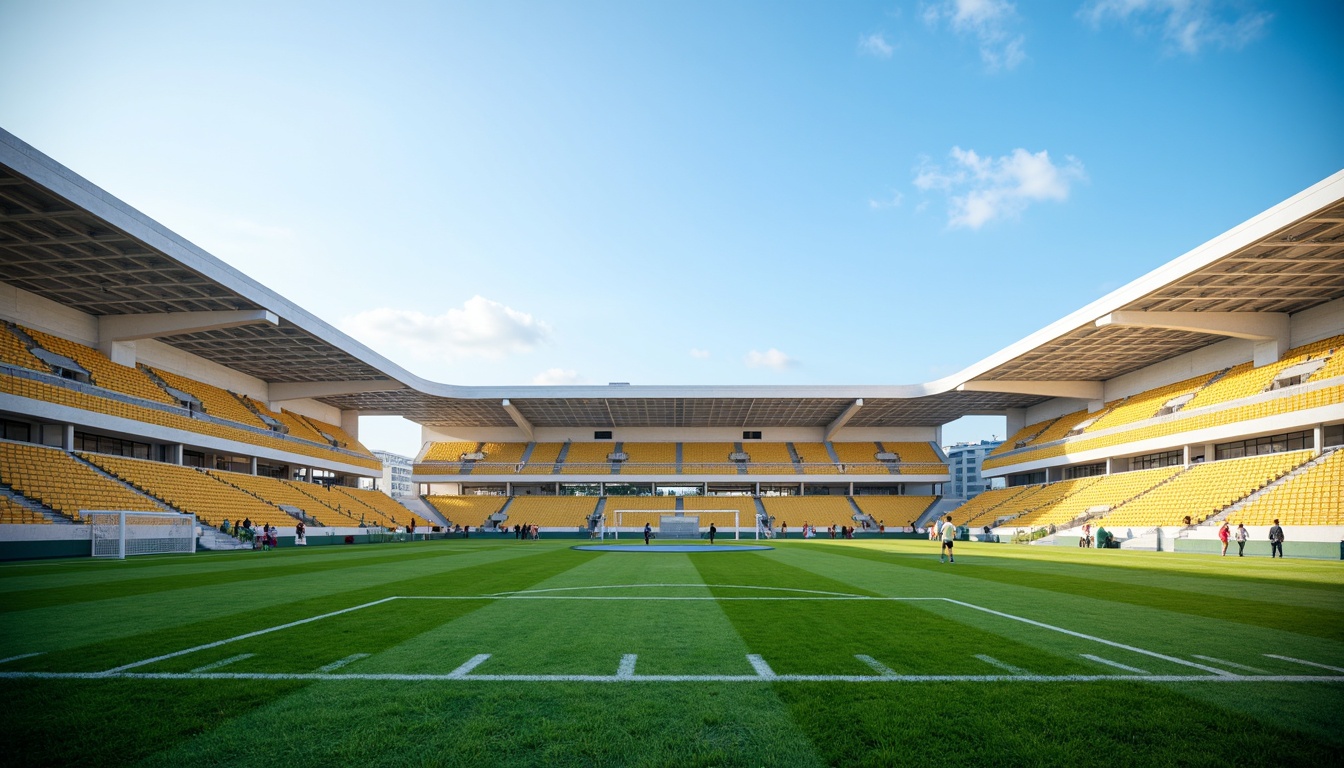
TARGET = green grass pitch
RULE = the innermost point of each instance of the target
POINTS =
(814, 653)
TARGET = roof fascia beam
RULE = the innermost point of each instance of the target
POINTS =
(1077, 390)
(1269, 330)
(519, 419)
(842, 419)
(122, 328)
(281, 391)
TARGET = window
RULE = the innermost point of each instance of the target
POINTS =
(110, 445)
(751, 435)
(1155, 460)
(604, 434)
(1258, 446)
(1028, 478)
(1333, 435)
(1087, 470)
(15, 430)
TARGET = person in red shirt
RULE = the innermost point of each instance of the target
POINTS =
(1223, 534)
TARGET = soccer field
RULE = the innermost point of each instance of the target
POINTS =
(812, 653)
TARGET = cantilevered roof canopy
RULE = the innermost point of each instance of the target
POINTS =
(67, 240)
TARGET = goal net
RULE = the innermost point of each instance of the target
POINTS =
(118, 533)
(670, 525)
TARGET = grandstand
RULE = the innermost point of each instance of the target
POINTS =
(135, 369)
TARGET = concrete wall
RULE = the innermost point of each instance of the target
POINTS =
(33, 311)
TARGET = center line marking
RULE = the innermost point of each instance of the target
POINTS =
(990, 660)
(224, 662)
(1302, 661)
(335, 665)
(762, 669)
(627, 668)
(1115, 664)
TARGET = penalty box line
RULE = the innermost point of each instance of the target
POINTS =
(815, 596)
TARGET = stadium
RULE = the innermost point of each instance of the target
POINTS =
(144, 377)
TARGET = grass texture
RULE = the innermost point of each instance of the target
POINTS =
(1013, 655)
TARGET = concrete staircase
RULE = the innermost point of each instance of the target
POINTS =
(33, 506)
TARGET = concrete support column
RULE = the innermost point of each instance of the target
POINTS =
(1317, 439)
(350, 423)
(68, 437)
(252, 465)
(175, 454)
(1017, 419)
(120, 352)
(1185, 458)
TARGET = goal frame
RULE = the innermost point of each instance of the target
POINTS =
(119, 536)
(615, 530)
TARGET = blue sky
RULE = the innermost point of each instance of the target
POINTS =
(685, 193)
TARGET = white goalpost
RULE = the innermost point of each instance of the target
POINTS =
(118, 533)
(690, 524)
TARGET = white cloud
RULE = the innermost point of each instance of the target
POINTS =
(1185, 25)
(981, 189)
(480, 328)
(875, 45)
(700, 354)
(892, 202)
(991, 22)
(771, 358)
(557, 377)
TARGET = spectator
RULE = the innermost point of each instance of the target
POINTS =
(1275, 540)
(1242, 535)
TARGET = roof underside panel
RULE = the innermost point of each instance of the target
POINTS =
(74, 254)
(681, 412)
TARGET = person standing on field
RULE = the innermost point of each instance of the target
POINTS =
(949, 536)
(1275, 540)
(1224, 533)
(1241, 535)
(712, 531)
(648, 531)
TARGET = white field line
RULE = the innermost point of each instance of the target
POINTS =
(467, 666)
(763, 669)
(882, 669)
(236, 638)
(1233, 664)
(21, 656)
(993, 662)
(1115, 664)
(224, 662)
(1308, 663)
(694, 586)
(376, 677)
(335, 665)
(627, 668)
(660, 598)
(1093, 638)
